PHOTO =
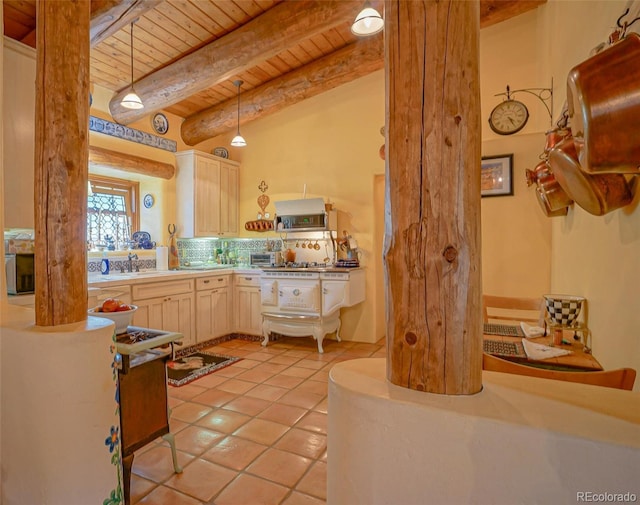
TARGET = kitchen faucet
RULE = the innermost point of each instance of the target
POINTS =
(130, 258)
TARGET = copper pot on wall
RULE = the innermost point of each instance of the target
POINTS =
(604, 108)
(550, 195)
(597, 194)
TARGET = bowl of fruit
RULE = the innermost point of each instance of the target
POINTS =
(120, 313)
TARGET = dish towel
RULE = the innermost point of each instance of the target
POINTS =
(540, 351)
(531, 331)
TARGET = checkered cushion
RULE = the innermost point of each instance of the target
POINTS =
(563, 312)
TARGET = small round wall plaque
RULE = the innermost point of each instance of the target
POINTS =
(148, 201)
(160, 123)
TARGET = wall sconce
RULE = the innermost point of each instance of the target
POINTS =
(368, 22)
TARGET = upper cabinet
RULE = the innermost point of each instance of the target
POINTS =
(207, 195)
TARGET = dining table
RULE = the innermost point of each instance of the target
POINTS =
(580, 358)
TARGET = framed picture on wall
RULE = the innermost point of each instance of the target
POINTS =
(496, 175)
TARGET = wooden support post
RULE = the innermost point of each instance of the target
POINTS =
(432, 231)
(61, 161)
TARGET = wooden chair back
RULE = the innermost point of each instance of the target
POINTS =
(503, 308)
(620, 378)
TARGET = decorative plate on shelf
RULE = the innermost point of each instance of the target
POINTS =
(160, 123)
(221, 151)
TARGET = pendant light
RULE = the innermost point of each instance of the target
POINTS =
(238, 140)
(131, 99)
(368, 22)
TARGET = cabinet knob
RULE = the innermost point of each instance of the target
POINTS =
(207, 281)
(248, 278)
(220, 279)
(324, 291)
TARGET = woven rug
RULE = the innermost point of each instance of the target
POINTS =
(198, 364)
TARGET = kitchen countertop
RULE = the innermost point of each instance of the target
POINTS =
(98, 280)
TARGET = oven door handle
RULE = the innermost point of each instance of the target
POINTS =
(274, 315)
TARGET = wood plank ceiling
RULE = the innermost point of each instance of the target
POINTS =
(167, 31)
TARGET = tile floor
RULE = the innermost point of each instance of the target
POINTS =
(253, 433)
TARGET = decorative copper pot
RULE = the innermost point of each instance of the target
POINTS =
(597, 194)
(604, 108)
(289, 255)
(552, 197)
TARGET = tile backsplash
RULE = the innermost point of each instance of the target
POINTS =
(231, 251)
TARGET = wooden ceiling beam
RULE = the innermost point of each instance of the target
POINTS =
(261, 38)
(109, 16)
(340, 67)
(495, 11)
(99, 156)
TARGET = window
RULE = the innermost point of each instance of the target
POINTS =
(112, 211)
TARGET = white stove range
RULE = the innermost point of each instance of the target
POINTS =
(306, 301)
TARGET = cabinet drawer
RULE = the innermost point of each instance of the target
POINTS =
(247, 279)
(159, 289)
(216, 281)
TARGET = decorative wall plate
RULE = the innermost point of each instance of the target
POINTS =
(148, 201)
(221, 151)
(160, 123)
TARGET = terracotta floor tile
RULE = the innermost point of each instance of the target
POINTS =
(301, 399)
(284, 360)
(249, 406)
(302, 442)
(315, 364)
(235, 453)
(313, 386)
(297, 498)
(285, 381)
(185, 392)
(297, 353)
(209, 381)
(260, 356)
(189, 412)
(176, 425)
(163, 496)
(279, 466)
(296, 371)
(203, 480)
(266, 392)
(247, 489)
(215, 398)
(156, 464)
(174, 402)
(195, 439)
(224, 421)
(283, 414)
(271, 367)
(313, 421)
(315, 481)
(140, 488)
(261, 431)
(235, 386)
(254, 375)
(247, 363)
(230, 371)
(320, 376)
(322, 406)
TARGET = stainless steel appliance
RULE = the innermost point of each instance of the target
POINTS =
(20, 270)
(303, 301)
(307, 214)
(265, 259)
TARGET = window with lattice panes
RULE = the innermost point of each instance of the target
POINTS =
(112, 213)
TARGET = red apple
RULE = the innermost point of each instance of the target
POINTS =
(110, 305)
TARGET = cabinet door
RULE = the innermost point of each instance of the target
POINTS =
(249, 317)
(149, 314)
(213, 314)
(178, 315)
(206, 197)
(334, 296)
(228, 199)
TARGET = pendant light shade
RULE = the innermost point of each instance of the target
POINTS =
(131, 100)
(238, 140)
(368, 22)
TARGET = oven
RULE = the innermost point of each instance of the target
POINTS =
(20, 270)
(306, 301)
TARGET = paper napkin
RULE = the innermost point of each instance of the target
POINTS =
(531, 331)
(540, 351)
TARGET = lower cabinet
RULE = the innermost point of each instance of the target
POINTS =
(168, 306)
(247, 304)
(213, 307)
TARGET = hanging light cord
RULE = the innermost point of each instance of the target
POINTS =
(131, 31)
(239, 84)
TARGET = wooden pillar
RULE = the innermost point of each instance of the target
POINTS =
(61, 161)
(432, 217)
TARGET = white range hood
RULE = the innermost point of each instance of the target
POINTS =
(305, 206)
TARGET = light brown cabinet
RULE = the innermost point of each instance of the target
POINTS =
(213, 307)
(207, 195)
(248, 316)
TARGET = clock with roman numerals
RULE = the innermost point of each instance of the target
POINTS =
(508, 117)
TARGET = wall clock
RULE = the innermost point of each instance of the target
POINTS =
(508, 117)
(148, 201)
(160, 123)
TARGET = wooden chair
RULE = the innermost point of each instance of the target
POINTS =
(621, 378)
(503, 308)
